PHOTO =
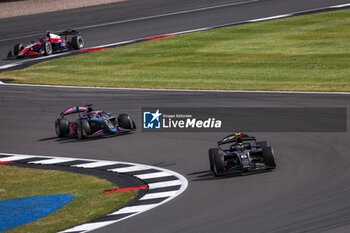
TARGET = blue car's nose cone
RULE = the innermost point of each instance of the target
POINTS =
(112, 129)
(16, 212)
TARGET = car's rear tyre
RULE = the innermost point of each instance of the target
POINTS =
(18, 48)
(77, 42)
(47, 48)
(212, 153)
(61, 127)
(125, 122)
(219, 164)
(83, 129)
(269, 157)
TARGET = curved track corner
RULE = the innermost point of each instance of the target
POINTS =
(162, 185)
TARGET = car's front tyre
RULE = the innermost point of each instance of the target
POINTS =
(269, 157)
(125, 122)
(219, 164)
(212, 153)
(47, 47)
(83, 129)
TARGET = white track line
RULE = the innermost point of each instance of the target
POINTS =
(176, 90)
(3, 67)
(164, 184)
(113, 44)
(95, 164)
(340, 6)
(153, 175)
(269, 18)
(158, 195)
(129, 169)
(10, 65)
(88, 227)
(53, 161)
(16, 157)
(134, 209)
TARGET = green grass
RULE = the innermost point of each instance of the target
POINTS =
(305, 53)
(89, 200)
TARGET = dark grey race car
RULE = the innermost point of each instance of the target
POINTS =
(240, 153)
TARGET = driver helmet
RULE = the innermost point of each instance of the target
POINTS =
(84, 115)
(239, 143)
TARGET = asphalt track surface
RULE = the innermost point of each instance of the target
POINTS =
(308, 192)
(137, 19)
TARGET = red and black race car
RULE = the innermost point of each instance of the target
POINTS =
(51, 43)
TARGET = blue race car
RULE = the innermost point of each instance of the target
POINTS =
(240, 153)
(92, 123)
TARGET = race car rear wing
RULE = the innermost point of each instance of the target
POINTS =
(234, 137)
(73, 109)
(69, 32)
